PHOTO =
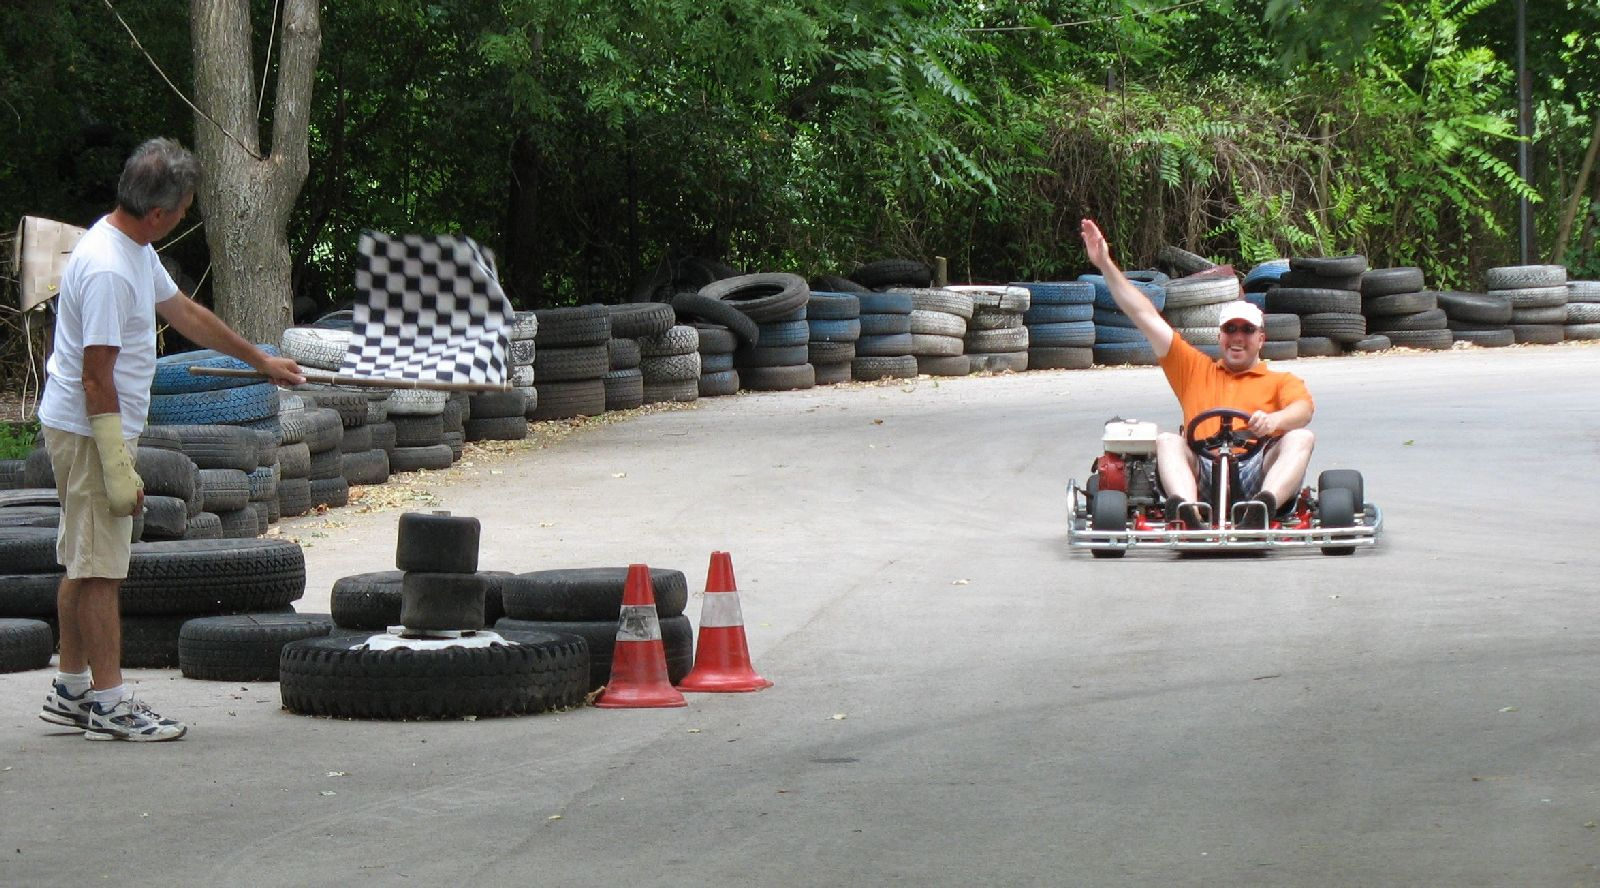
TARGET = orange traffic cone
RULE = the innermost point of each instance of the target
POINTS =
(722, 658)
(639, 665)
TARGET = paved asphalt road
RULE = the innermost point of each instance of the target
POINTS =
(959, 699)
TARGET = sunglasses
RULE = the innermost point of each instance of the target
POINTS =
(1246, 329)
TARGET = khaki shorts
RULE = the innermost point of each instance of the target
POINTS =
(90, 541)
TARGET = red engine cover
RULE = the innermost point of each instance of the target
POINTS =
(1112, 471)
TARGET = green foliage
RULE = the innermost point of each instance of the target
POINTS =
(17, 438)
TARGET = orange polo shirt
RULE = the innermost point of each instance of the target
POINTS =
(1202, 383)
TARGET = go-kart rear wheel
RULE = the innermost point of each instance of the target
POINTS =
(1336, 508)
(1109, 512)
(1349, 479)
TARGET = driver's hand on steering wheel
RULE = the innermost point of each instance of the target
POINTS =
(1263, 424)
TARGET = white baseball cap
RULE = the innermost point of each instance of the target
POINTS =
(1241, 310)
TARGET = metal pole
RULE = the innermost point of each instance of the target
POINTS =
(1525, 130)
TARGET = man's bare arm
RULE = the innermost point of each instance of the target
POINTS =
(1133, 303)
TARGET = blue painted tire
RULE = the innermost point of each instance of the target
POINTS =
(1077, 334)
(1058, 313)
(1124, 353)
(231, 405)
(1110, 317)
(780, 333)
(1156, 292)
(1058, 292)
(835, 330)
(1118, 336)
(885, 303)
(173, 376)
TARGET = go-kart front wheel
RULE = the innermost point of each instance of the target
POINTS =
(1109, 512)
(1336, 507)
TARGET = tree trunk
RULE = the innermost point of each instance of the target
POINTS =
(521, 263)
(246, 194)
(1564, 233)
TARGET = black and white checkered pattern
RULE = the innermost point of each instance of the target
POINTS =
(433, 310)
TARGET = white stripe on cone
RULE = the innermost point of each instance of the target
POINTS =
(720, 610)
(638, 622)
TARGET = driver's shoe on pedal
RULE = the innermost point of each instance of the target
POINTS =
(1255, 514)
(1195, 516)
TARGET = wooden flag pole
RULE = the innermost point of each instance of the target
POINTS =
(362, 381)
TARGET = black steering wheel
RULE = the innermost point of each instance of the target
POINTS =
(1232, 439)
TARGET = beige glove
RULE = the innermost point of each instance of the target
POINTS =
(123, 484)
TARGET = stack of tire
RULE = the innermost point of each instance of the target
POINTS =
(1583, 310)
(1325, 291)
(1116, 339)
(439, 663)
(770, 323)
(1538, 297)
(1477, 318)
(325, 481)
(226, 457)
(523, 347)
(294, 457)
(717, 374)
(496, 416)
(939, 319)
(884, 350)
(428, 429)
(361, 461)
(1194, 309)
(623, 380)
(178, 397)
(996, 340)
(669, 362)
(243, 647)
(1400, 311)
(571, 361)
(586, 602)
(833, 323)
(1263, 277)
(1060, 321)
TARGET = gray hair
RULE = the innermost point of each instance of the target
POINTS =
(160, 173)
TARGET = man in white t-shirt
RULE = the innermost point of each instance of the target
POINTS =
(95, 400)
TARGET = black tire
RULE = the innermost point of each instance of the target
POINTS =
(1349, 479)
(1305, 300)
(718, 312)
(714, 385)
(324, 431)
(624, 389)
(960, 365)
(832, 306)
(497, 428)
(1375, 342)
(1330, 266)
(368, 602)
(1338, 326)
(868, 368)
(1336, 507)
(165, 518)
(166, 473)
(533, 672)
(1513, 277)
(243, 647)
(1428, 339)
(777, 379)
(1391, 281)
(587, 593)
(489, 405)
(1485, 338)
(762, 297)
(418, 431)
(1398, 304)
(1316, 347)
(151, 642)
(1538, 334)
(1182, 261)
(438, 543)
(30, 594)
(879, 324)
(355, 439)
(563, 400)
(218, 446)
(203, 526)
(832, 283)
(714, 339)
(1109, 511)
(566, 327)
(28, 550)
(294, 496)
(640, 319)
(600, 637)
(680, 391)
(442, 601)
(365, 468)
(212, 576)
(331, 492)
(893, 273)
(412, 459)
(568, 364)
(350, 404)
(1054, 358)
(223, 490)
(240, 523)
(25, 644)
(778, 356)
(1432, 319)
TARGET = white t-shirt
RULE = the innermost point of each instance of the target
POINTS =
(109, 291)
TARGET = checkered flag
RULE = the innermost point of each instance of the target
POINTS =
(433, 311)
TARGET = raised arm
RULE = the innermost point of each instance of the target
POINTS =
(197, 322)
(1133, 303)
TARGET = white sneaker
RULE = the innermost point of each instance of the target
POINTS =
(130, 719)
(61, 707)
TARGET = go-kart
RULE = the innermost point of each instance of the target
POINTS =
(1123, 507)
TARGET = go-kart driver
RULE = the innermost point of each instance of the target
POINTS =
(1278, 403)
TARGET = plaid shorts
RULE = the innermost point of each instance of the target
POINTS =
(1246, 482)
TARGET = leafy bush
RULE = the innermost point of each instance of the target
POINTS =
(17, 438)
